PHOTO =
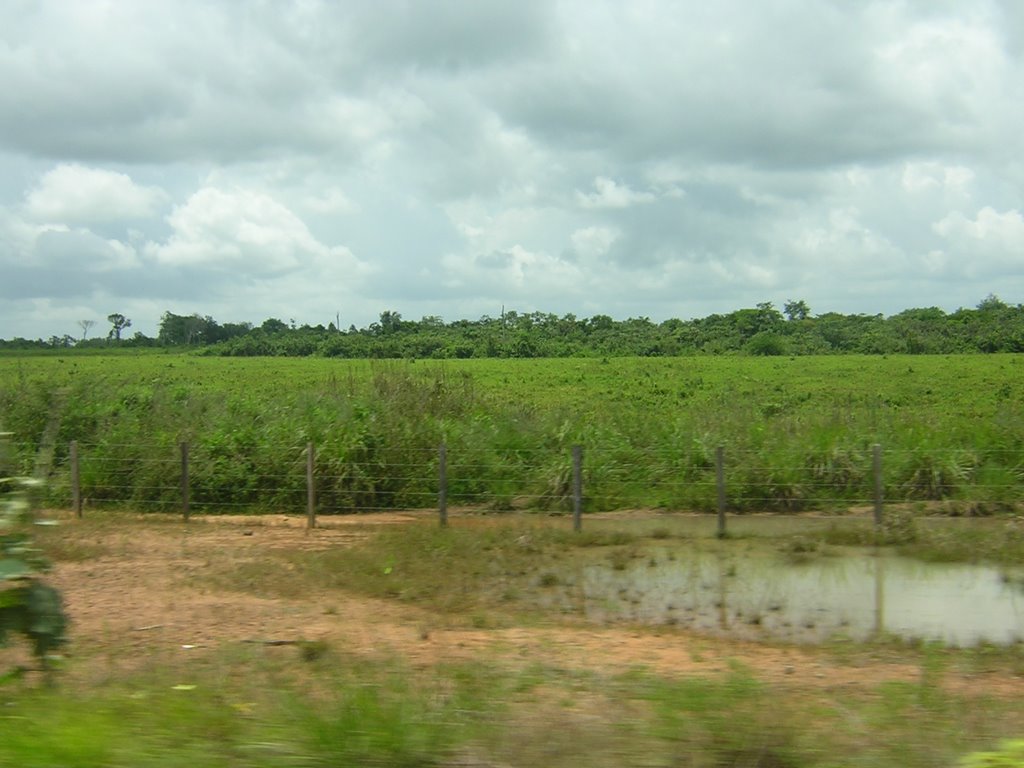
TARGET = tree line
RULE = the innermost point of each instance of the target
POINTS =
(991, 326)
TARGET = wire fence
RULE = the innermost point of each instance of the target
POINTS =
(205, 478)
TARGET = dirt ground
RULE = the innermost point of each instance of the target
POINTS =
(143, 596)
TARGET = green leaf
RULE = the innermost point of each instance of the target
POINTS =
(12, 568)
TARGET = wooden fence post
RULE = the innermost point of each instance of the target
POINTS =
(310, 490)
(720, 486)
(185, 490)
(577, 487)
(876, 451)
(442, 484)
(76, 481)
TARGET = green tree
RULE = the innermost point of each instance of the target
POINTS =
(796, 310)
(273, 325)
(991, 303)
(390, 322)
(118, 323)
(183, 329)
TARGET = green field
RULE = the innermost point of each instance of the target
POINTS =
(797, 432)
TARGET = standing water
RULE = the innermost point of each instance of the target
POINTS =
(759, 594)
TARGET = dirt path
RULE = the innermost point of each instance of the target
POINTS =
(144, 592)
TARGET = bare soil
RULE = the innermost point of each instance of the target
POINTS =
(142, 596)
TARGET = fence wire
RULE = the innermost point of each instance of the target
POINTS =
(613, 477)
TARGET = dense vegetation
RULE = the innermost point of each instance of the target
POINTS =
(993, 326)
(797, 432)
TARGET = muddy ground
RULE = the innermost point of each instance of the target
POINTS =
(136, 594)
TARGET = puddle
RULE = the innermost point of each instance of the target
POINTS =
(757, 594)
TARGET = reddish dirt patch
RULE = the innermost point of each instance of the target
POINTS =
(143, 593)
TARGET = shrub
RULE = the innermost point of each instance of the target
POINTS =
(27, 605)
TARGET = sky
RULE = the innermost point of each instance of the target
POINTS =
(321, 161)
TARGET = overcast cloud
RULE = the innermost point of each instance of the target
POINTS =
(657, 158)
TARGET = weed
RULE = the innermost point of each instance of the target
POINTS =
(898, 527)
(548, 579)
(800, 547)
(313, 650)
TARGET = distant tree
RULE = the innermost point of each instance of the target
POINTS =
(273, 325)
(182, 329)
(991, 303)
(796, 310)
(86, 326)
(61, 341)
(767, 315)
(431, 322)
(523, 346)
(118, 323)
(232, 330)
(746, 322)
(390, 321)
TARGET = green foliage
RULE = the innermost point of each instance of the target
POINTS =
(734, 722)
(1009, 755)
(767, 344)
(27, 606)
(993, 326)
(797, 432)
(373, 725)
(360, 716)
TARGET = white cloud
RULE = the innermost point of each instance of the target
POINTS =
(946, 65)
(609, 194)
(986, 249)
(515, 272)
(1002, 229)
(241, 230)
(593, 242)
(989, 246)
(924, 176)
(331, 200)
(73, 193)
(848, 248)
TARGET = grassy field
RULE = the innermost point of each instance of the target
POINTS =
(797, 432)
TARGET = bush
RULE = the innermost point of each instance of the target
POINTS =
(27, 605)
(767, 344)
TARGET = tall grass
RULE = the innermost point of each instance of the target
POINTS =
(797, 434)
(251, 711)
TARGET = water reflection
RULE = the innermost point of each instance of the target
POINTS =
(756, 594)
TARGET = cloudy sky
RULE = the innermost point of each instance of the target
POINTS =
(663, 158)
